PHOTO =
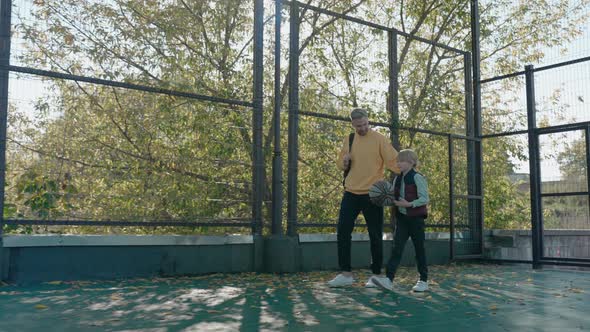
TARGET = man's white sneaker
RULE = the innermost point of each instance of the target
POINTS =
(382, 282)
(370, 283)
(421, 286)
(341, 281)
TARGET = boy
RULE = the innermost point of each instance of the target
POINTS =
(411, 192)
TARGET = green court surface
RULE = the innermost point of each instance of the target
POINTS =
(463, 297)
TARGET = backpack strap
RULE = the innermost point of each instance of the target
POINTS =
(347, 170)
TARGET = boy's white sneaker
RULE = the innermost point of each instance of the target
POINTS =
(341, 281)
(382, 282)
(370, 283)
(421, 286)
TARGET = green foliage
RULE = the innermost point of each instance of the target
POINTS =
(138, 156)
(45, 197)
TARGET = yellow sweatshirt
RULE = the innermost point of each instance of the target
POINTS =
(370, 153)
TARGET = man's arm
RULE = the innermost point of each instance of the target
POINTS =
(389, 156)
(343, 156)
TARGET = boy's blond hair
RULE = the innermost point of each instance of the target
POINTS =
(408, 155)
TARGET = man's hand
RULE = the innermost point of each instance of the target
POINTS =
(346, 160)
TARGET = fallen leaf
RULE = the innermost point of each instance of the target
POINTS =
(57, 282)
(41, 306)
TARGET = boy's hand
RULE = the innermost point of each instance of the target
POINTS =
(403, 203)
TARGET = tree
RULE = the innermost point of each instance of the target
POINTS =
(138, 156)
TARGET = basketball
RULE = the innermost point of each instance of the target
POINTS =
(381, 193)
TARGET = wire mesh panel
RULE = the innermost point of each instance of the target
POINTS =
(460, 167)
(128, 135)
(432, 151)
(465, 241)
(573, 19)
(507, 184)
(320, 181)
(431, 88)
(563, 162)
(566, 212)
(552, 38)
(562, 95)
(343, 65)
(504, 106)
(148, 42)
(566, 227)
(540, 33)
(467, 231)
(79, 151)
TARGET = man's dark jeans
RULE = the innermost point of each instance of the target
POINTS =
(350, 208)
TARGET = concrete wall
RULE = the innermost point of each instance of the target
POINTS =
(45, 258)
(517, 244)
(437, 251)
(41, 258)
(53, 257)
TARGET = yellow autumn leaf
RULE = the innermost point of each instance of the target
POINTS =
(41, 307)
(69, 39)
(56, 282)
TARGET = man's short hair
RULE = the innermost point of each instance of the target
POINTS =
(358, 113)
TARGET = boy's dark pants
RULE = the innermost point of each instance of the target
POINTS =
(408, 227)
(350, 207)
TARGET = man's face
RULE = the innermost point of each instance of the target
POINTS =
(361, 126)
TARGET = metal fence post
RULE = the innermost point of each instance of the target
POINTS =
(474, 129)
(393, 89)
(587, 135)
(534, 167)
(293, 148)
(257, 153)
(451, 198)
(393, 101)
(277, 161)
(5, 17)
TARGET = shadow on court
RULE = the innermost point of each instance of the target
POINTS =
(463, 297)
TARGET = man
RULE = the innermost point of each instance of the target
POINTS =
(370, 153)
